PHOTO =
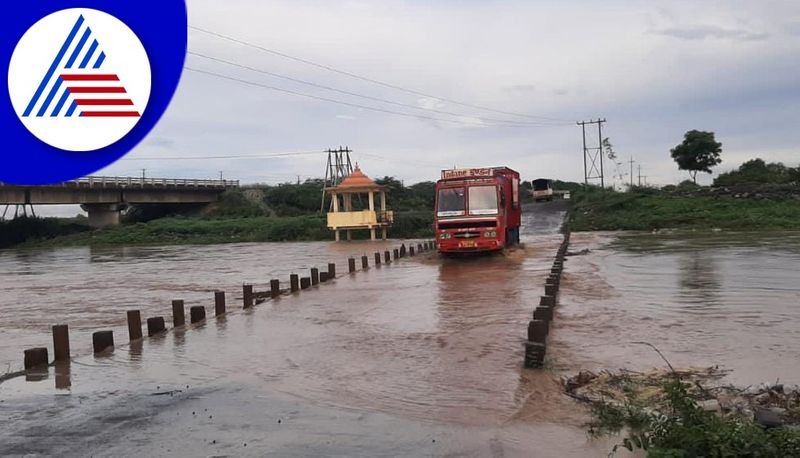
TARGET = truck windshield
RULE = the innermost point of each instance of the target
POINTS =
(541, 185)
(482, 200)
(451, 202)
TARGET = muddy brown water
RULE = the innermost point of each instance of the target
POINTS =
(422, 357)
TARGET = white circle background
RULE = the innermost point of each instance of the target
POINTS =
(33, 55)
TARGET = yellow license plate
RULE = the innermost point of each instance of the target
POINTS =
(468, 244)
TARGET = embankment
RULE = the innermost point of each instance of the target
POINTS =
(653, 210)
(200, 230)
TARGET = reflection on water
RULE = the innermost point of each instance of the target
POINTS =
(698, 277)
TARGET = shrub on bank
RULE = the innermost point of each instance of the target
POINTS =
(681, 428)
(31, 228)
(608, 210)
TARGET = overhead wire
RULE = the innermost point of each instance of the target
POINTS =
(342, 102)
(370, 80)
(368, 97)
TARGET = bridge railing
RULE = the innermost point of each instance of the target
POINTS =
(132, 182)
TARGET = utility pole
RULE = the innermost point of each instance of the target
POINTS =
(220, 175)
(640, 174)
(593, 156)
(631, 162)
(143, 170)
(337, 168)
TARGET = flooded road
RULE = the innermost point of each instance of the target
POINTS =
(731, 299)
(421, 357)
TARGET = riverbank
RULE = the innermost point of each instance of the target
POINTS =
(648, 210)
(199, 230)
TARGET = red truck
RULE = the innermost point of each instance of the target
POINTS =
(477, 210)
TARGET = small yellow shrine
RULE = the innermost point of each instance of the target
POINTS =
(345, 216)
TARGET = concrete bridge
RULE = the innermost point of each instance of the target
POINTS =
(104, 197)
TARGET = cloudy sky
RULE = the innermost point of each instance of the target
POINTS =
(653, 69)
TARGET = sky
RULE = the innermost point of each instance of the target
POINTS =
(652, 69)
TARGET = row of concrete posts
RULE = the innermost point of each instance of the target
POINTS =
(103, 341)
(539, 325)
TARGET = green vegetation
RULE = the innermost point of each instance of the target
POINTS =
(654, 209)
(675, 426)
(31, 229)
(756, 196)
(757, 172)
(698, 152)
(286, 212)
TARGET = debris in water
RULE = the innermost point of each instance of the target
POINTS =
(770, 405)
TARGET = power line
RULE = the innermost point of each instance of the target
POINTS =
(368, 97)
(341, 102)
(231, 156)
(370, 80)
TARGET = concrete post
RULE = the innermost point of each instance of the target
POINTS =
(314, 276)
(396, 253)
(364, 262)
(34, 357)
(178, 313)
(274, 288)
(351, 265)
(537, 331)
(377, 258)
(548, 301)
(534, 354)
(305, 283)
(197, 313)
(331, 271)
(247, 296)
(403, 250)
(219, 303)
(155, 326)
(294, 282)
(102, 341)
(61, 342)
(134, 325)
(543, 313)
(323, 277)
(387, 257)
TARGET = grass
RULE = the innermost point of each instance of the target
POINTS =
(600, 210)
(194, 230)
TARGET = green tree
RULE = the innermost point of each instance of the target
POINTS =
(698, 152)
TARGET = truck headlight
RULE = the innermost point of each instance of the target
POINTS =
(490, 234)
(444, 235)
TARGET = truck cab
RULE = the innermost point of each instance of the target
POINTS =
(477, 210)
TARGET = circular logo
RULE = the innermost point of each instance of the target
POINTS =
(79, 79)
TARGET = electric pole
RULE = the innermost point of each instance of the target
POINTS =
(640, 175)
(337, 168)
(631, 162)
(593, 156)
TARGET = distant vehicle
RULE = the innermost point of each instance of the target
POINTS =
(477, 210)
(542, 189)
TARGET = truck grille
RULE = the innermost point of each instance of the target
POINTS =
(467, 225)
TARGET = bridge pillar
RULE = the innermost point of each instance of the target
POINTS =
(102, 215)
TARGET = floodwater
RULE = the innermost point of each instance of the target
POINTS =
(420, 357)
(714, 298)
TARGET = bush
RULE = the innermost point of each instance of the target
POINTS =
(756, 171)
(31, 228)
(680, 428)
